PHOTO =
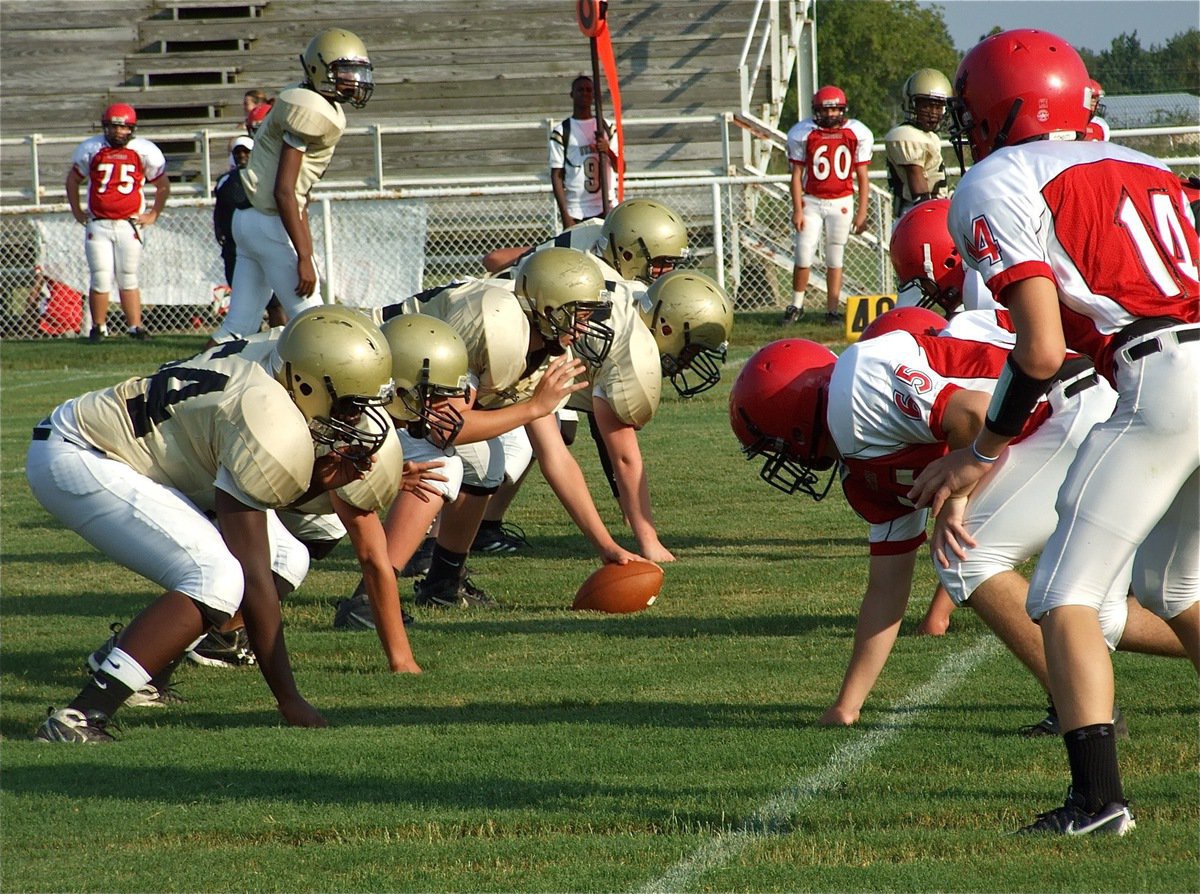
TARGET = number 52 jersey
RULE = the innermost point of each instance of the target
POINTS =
(182, 424)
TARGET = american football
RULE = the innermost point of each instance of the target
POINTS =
(620, 589)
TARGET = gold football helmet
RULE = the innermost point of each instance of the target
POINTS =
(563, 291)
(691, 318)
(429, 366)
(928, 84)
(336, 365)
(641, 236)
(337, 66)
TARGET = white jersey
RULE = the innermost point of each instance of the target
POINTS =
(576, 155)
(906, 145)
(305, 120)
(1030, 210)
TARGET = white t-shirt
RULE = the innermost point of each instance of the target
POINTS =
(580, 164)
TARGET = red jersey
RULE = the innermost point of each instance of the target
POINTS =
(116, 176)
(829, 156)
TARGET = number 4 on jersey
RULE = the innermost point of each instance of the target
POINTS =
(983, 245)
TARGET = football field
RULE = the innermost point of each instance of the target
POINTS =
(548, 750)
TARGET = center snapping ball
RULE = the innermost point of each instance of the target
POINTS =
(620, 589)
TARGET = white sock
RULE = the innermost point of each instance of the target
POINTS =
(120, 666)
(797, 299)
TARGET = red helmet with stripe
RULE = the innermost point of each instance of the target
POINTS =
(118, 114)
(924, 255)
(829, 106)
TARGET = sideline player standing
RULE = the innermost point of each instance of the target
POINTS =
(915, 168)
(829, 154)
(292, 150)
(116, 166)
(1089, 246)
(575, 170)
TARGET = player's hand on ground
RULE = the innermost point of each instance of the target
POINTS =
(306, 276)
(297, 712)
(617, 555)
(950, 532)
(557, 383)
(953, 475)
(408, 666)
(334, 470)
(837, 716)
(417, 478)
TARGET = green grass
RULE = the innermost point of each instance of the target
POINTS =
(544, 750)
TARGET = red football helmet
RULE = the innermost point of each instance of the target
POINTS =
(914, 320)
(256, 117)
(777, 410)
(924, 255)
(1017, 86)
(1095, 104)
(119, 114)
(829, 107)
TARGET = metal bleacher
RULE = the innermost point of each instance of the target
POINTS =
(185, 65)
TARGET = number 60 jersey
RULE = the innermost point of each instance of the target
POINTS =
(185, 422)
(1031, 210)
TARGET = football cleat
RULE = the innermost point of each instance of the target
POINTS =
(138, 333)
(75, 727)
(355, 613)
(791, 315)
(418, 565)
(218, 649)
(1071, 819)
(447, 593)
(1048, 725)
(502, 539)
(152, 696)
(834, 318)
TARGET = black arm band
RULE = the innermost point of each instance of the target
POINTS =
(1013, 400)
(922, 197)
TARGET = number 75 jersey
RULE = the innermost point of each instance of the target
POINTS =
(1108, 225)
(186, 421)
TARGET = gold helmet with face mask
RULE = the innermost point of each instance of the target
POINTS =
(927, 84)
(336, 365)
(337, 66)
(563, 291)
(691, 318)
(640, 235)
(429, 367)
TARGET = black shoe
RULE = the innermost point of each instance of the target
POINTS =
(96, 658)
(95, 336)
(75, 727)
(791, 315)
(355, 613)
(833, 319)
(1048, 725)
(218, 649)
(418, 565)
(138, 333)
(503, 539)
(447, 593)
(1072, 819)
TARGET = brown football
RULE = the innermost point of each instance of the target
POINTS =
(620, 589)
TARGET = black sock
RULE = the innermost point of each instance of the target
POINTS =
(1095, 776)
(446, 565)
(488, 525)
(102, 693)
(162, 679)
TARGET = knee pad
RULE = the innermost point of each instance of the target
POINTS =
(483, 464)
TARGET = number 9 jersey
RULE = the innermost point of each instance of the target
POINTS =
(829, 155)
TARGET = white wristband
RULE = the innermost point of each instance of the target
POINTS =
(979, 457)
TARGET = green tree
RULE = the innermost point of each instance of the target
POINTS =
(869, 49)
(1127, 67)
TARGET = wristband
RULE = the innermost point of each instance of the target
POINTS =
(979, 457)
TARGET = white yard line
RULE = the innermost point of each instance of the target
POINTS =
(773, 816)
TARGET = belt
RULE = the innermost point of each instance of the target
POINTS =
(43, 432)
(1156, 340)
(1083, 383)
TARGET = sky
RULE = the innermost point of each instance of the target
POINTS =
(1084, 23)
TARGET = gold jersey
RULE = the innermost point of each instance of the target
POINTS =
(375, 490)
(186, 421)
(307, 115)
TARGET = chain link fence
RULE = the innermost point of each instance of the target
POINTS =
(374, 249)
